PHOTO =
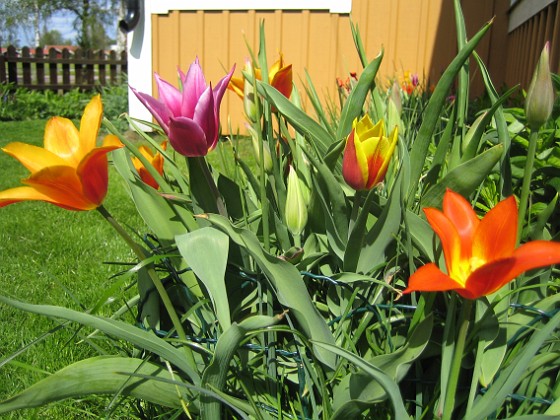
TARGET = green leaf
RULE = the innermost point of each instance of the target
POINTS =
(122, 330)
(101, 375)
(216, 373)
(354, 105)
(431, 115)
(465, 178)
(206, 251)
(288, 283)
(389, 385)
(304, 124)
(510, 376)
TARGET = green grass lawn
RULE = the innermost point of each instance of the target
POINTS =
(58, 257)
(53, 256)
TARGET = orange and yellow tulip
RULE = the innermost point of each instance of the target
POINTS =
(480, 254)
(155, 159)
(70, 171)
(279, 76)
(367, 153)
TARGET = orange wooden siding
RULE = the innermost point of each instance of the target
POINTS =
(416, 36)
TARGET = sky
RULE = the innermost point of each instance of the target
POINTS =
(60, 21)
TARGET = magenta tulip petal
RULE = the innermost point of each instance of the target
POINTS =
(169, 95)
(160, 112)
(187, 137)
(205, 116)
(194, 84)
(221, 87)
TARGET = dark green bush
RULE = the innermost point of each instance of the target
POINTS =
(18, 104)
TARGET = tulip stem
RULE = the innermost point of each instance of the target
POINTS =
(213, 187)
(451, 391)
(527, 175)
(142, 255)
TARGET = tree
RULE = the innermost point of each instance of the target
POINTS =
(15, 14)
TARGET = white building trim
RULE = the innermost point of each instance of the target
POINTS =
(523, 10)
(140, 72)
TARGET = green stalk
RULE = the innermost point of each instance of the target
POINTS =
(450, 393)
(528, 173)
(212, 185)
(141, 255)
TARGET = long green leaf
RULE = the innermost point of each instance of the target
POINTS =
(122, 330)
(303, 123)
(288, 283)
(388, 384)
(433, 110)
(101, 375)
(206, 251)
(510, 376)
(354, 105)
(465, 178)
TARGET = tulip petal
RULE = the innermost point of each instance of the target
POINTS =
(282, 81)
(93, 171)
(34, 158)
(158, 109)
(205, 117)
(429, 278)
(220, 89)
(457, 266)
(18, 194)
(89, 126)
(63, 139)
(237, 85)
(187, 138)
(63, 187)
(496, 235)
(459, 211)
(169, 95)
(194, 84)
(535, 254)
(351, 170)
(488, 278)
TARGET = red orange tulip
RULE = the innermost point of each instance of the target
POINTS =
(155, 159)
(480, 254)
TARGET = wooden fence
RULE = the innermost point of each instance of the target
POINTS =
(83, 69)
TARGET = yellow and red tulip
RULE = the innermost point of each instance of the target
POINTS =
(367, 153)
(155, 159)
(480, 254)
(279, 76)
(70, 171)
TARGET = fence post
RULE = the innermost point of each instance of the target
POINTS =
(90, 69)
(40, 66)
(2, 68)
(26, 66)
(66, 69)
(101, 68)
(12, 65)
(53, 76)
(78, 54)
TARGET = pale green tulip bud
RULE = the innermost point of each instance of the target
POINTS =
(249, 103)
(257, 149)
(296, 209)
(540, 96)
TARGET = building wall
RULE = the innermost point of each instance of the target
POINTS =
(416, 35)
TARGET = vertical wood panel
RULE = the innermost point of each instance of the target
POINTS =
(416, 35)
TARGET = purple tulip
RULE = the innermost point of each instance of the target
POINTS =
(190, 116)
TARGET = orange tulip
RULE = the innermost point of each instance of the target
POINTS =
(155, 159)
(480, 255)
(279, 77)
(70, 171)
(367, 154)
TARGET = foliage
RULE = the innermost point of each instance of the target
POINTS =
(24, 104)
(240, 311)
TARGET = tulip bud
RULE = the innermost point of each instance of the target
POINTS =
(257, 149)
(296, 209)
(540, 96)
(249, 103)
